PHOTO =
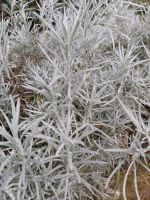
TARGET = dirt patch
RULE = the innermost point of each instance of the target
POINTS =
(143, 182)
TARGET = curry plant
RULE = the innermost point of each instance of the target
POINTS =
(74, 99)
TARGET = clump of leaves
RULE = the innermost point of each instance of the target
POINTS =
(74, 97)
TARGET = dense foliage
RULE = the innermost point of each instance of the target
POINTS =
(74, 99)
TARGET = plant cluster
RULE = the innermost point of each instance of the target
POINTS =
(74, 99)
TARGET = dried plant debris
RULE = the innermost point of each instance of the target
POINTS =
(74, 100)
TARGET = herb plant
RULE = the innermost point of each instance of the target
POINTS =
(74, 99)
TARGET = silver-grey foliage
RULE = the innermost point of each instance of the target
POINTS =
(74, 99)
